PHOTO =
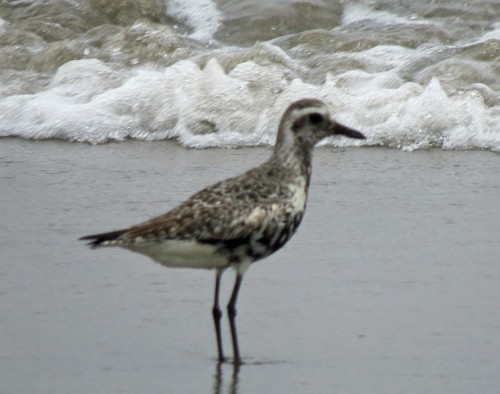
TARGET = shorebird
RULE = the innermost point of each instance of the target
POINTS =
(240, 220)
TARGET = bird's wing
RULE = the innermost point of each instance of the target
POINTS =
(209, 222)
(229, 210)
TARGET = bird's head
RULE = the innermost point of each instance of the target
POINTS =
(306, 122)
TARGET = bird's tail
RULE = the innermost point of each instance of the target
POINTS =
(103, 239)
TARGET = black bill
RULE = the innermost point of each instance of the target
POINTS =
(348, 132)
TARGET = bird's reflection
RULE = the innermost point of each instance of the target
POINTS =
(219, 379)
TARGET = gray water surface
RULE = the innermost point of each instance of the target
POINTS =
(390, 285)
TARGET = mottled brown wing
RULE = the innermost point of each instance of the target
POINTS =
(202, 222)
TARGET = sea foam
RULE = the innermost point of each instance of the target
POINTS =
(406, 80)
(88, 101)
(202, 16)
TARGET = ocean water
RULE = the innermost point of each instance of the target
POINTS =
(389, 286)
(411, 74)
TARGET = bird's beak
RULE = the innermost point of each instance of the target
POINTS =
(348, 132)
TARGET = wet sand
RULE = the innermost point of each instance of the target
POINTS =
(391, 285)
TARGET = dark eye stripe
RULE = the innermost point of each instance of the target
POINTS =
(315, 118)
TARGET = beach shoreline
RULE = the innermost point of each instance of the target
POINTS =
(390, 284)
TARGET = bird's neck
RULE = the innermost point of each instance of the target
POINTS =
(295, 157)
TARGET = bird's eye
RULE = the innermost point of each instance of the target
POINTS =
(316, 118)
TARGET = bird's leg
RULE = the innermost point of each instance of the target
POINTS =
(217, 315)
(231, 312)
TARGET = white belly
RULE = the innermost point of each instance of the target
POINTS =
(182, 254)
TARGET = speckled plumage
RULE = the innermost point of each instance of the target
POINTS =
(242, 219)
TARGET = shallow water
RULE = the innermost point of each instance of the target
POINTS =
(390, 284)
(410, 74)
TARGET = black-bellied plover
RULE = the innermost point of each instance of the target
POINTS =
(239, 220)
